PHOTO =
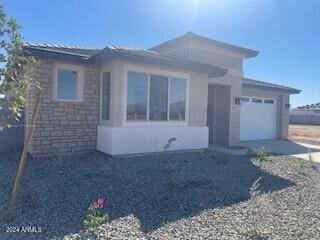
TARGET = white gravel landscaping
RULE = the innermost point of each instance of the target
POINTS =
(199, 195)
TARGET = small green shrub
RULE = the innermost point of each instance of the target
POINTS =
(261, 155)
(94, 217)
(301, 163)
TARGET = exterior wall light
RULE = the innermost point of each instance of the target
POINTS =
(237, 101)
(287, 106)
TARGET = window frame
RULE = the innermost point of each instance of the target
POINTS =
(257, 100)
(147, 98)
(101, 89)
(269, 101)
(79, 80)
(149, 72)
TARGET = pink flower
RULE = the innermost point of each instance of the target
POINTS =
(100, 202)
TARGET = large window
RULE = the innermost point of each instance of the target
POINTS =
(137, 96)
(158, 98)
(177, 99)
(155, 98)
(105, 96)
(68, 83)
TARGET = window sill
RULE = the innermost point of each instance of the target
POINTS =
(154, 124)
(68, 100)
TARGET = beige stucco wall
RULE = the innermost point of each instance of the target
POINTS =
(198, 99)
(222, 57)
(234, 81)
(205, 53)
(282, 99)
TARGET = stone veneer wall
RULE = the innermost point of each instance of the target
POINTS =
(65, 127)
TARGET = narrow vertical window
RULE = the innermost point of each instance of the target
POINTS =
(158, 98)
(105, 96)
(137, 96)
(177, 99)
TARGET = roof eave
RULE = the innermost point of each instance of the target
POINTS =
(55, 54)
(246, 52)
(251, 53)
(212, 71)
(290, 91)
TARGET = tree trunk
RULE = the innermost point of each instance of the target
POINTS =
(11, 208)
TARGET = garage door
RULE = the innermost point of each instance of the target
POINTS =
(258, 119)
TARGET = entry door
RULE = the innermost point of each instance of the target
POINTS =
(218, 114)
(258, 119)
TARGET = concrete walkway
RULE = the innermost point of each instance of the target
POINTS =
(283, 147)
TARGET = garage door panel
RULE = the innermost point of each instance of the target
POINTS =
(258, 120)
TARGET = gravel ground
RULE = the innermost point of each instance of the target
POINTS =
(199, 195)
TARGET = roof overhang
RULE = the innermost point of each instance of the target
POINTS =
(212, 71)
(245, 52)
(38, 52)
(136, 56)
(269, 87)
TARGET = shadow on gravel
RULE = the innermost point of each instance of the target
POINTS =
(156, 189)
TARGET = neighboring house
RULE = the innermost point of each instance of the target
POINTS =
(125, 101)
(308, 114)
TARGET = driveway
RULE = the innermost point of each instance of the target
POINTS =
(284, 147)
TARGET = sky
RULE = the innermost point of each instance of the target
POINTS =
(285, 32)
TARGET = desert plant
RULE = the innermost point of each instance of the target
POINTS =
(169, 183)
(262, 156)
(314, 165)
(94, 217)
(301, 163)
(169, 143)
(254, 188)
(254, 231)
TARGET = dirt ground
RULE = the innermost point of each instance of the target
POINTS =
(305, 133)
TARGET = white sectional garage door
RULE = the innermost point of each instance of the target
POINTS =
(258, 119)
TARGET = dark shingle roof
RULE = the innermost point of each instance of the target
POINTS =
(315, 106)
(246, 82)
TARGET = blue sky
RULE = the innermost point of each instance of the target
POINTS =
(286, 32)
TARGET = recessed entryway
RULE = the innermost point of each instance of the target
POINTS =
(218, 113)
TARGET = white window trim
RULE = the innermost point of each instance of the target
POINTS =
(103, 121)
(80, 80)
(262, 99)
(155, 71)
